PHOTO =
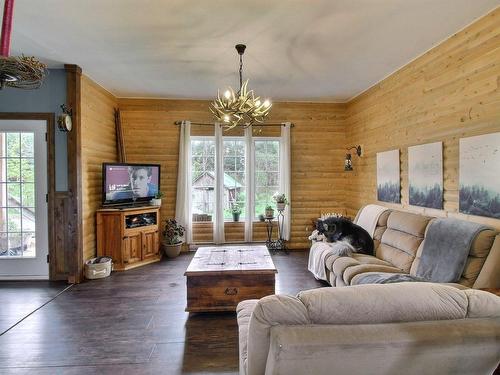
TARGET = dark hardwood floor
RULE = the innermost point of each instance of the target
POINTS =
(130, 323)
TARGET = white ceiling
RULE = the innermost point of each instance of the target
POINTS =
(314, 50)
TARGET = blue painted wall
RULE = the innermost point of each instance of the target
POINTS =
(47, 98)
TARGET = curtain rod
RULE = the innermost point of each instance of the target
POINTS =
(212, 124)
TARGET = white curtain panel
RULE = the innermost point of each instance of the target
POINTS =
(285, 176)
(249, 183)
(183, 201)
(219, 186)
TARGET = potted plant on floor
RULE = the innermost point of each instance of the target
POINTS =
(269, 211)
(172, 238)
(156, 201)
(236, 211)
(280, 200)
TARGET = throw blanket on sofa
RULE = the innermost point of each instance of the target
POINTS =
(385, 278)
(368, 217)
(320, 251)
(446, 247)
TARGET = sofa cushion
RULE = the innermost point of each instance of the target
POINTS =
(351, 272)
(407, 222)
(404, 302)
(402, 238)
(341, 264)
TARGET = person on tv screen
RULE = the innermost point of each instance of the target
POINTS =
(140, 185)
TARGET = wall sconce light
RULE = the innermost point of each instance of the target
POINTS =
(348, 157)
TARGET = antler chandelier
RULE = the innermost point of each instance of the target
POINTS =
(21, 72)
(241, 108)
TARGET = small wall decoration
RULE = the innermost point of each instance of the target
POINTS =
(425, 175)
(388, 180)
(480, 175)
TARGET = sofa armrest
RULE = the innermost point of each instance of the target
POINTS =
(268, 312)
(244, 312)
(467, 346)
(489, 277)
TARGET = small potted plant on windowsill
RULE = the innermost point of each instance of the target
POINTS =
(156, 201)
(269, 211)
(280, 200)
(236, 211)
(172, 238)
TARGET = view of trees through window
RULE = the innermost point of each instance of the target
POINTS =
(267, 177)
(234, 178)
(17, 196)
(203, 176)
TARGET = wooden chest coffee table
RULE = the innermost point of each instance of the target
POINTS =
(218, 278)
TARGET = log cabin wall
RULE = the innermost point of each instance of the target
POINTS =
(317, 142)
(450, 92)
(98, 146)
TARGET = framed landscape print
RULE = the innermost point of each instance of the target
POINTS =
(425, 175)
(480, 175)
(388, 180)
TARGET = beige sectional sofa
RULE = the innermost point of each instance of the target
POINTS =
(399, 238)
(406, 328)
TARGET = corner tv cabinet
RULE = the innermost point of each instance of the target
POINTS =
(130, 236)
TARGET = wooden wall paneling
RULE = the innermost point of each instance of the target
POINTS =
(449, 93)
(318, 147)
(74, 219)
(61, 261)
(99, 140)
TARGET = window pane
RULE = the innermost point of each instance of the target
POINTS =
(28, 244)
(15, 244)
(13, 145)
(266, 174)
(203, 179)
(228, 148)
(13, 169)
(240, 148)
(234, 182)
(28, 195)
(28, 220)
(13, 195)
(27, 145)
(229, 163)
(3, 220)
(14, 219)
(28, 170)
(273, 164)
(4, 244)
(3, 169)
(240, 163)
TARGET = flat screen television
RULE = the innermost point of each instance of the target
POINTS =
(126, 184)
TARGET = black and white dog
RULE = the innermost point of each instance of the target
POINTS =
(347, 236)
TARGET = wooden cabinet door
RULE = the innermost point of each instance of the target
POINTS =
(132, 245)
(150, 244)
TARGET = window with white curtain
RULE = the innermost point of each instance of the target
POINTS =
(266, 176)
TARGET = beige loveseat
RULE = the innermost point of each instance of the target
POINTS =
(399, 238)
(406, 328)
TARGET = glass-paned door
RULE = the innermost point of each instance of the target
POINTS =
(23, 206)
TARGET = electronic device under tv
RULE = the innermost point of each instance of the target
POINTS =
(128, 184)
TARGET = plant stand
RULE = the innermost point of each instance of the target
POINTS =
(279, 244)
